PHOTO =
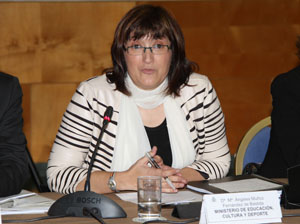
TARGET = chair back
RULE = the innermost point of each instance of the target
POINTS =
(254, 145)
(41, 187)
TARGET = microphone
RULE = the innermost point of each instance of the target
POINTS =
(106, 120)
(87, 203)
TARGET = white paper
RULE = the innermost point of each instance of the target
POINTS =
(200, 190)
(252, 184)
(241, 208)
(33, 204)
(22, 194)
(167, 198)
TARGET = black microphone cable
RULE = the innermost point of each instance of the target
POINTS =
(98, 217)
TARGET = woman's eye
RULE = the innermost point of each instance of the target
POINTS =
(158, 46)
(136, 46)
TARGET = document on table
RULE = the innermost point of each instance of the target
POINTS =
(22, 194)
(246, 185)
(167, 198)
(25, 203)
(233, 185)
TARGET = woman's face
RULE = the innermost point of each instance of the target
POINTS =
(148, 70)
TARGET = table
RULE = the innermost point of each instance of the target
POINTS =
(130, 209)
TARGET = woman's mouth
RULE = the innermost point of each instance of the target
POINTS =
(147, 70)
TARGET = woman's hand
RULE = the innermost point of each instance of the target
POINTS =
(141, 168)
(177, 179)
(157, 158)
(127, 180)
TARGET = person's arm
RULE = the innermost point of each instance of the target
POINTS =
(212, 155)
(67, 166)
(214, 160)
(13, 161)
(72, 144)
(286, 116)
(127, 180)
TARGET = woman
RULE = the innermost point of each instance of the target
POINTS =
(157, 101)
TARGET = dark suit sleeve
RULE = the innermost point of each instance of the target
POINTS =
(284, 145)
(286, 117)
(13, 160)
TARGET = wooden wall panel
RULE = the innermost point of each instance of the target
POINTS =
(77, 38)
(48, 103)
(52, 47)
(241, 45)
(19, 41)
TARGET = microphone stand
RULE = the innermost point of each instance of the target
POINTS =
(106, 120)
(87, 203)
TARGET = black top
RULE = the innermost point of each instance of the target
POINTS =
(13, 161)
(284, 145)
(159, 137)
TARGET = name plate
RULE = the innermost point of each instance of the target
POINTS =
(246, 207)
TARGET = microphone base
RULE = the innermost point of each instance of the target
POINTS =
(76, 204)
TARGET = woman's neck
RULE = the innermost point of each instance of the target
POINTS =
(152, 117)
(147, 99)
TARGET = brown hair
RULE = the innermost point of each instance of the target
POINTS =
(155, 21)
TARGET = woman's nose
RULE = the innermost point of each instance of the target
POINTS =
(148, 55)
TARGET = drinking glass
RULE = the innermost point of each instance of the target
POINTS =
(149, 198)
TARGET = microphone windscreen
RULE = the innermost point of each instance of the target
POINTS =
(108, 112)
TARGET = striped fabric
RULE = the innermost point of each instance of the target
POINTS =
(81, 124)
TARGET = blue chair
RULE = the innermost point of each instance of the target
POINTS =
(254, 146)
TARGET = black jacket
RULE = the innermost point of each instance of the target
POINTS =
(284, 146)
(13, 160)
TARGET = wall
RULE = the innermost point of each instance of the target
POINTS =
(241, 45)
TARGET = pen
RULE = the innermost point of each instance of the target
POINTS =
(154, 164)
